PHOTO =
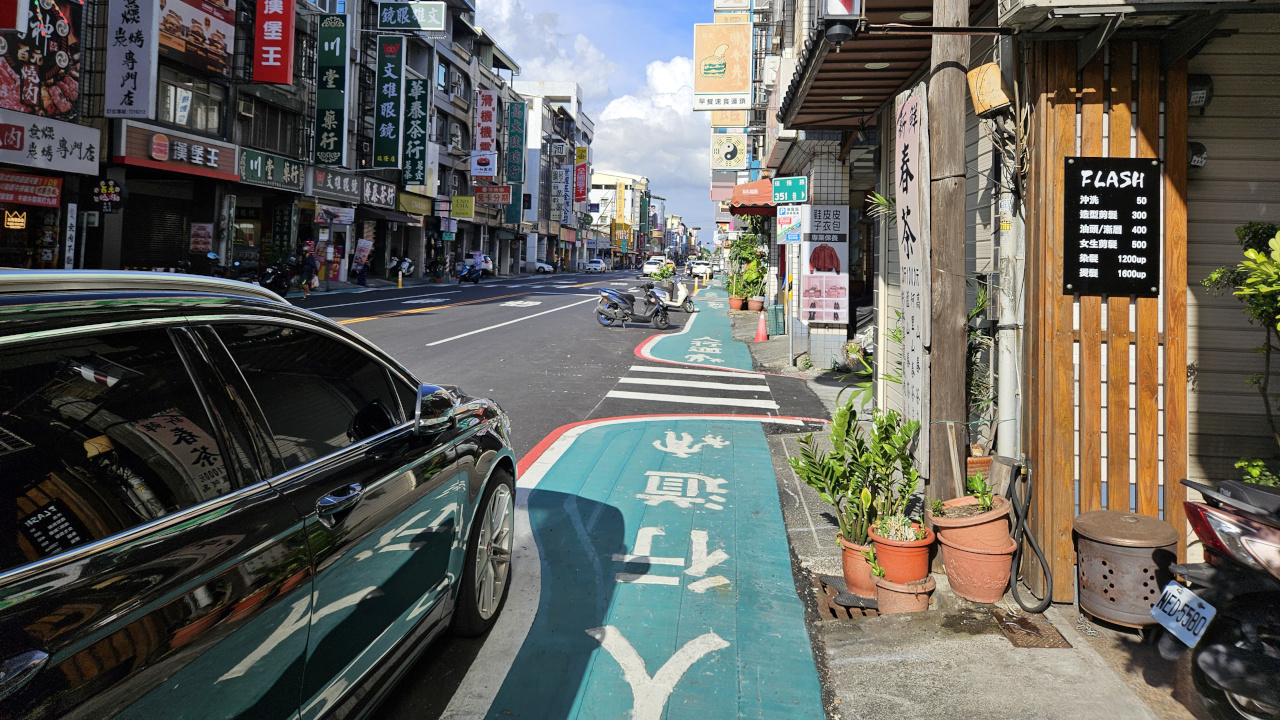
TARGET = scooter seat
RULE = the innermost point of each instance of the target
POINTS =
(628, 297)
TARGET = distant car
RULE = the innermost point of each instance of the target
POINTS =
(597, 266)
(486, 265)
(703, 269)
(651, 266)
(543, 267)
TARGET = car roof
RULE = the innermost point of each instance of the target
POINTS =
(40, 282)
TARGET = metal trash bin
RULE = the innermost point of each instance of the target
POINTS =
(776, 322)
(1122, 564)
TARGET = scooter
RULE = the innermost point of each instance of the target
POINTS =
(280, 276)
(470, 273)
(617, 306)
(1230, 616)
(681, 300)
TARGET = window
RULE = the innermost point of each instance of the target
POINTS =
(190, 102)
(319, 395)
(441, 127)
(269, 127)
(99, 435)
(442, 77)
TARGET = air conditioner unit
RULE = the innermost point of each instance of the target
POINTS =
(244, 106)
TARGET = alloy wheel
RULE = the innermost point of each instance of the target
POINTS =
(493, 556)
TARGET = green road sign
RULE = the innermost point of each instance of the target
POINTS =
(388, 101)
(791, 190)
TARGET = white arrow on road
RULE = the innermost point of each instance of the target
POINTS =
(649, 694)
(701, 357)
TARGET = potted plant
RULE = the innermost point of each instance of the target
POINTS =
(977, 520)
(733, 286)
(902, 544)
(893, 598)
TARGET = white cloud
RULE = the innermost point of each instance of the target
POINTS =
(542, 51)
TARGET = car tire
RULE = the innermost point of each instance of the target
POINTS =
(478, 608)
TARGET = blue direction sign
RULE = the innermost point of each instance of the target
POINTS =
(791, 190)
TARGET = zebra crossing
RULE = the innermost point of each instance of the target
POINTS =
(654, 388)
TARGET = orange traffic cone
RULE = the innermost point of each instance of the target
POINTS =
(762, 333)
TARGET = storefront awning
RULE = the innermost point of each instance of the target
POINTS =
(753, 198)
(389, 215)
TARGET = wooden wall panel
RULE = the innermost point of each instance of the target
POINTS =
(1175, 300)
(1148, 380)
(1118, 348)
(1090, 430)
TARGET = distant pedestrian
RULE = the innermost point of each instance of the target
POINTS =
(309, 267)
(361, 269)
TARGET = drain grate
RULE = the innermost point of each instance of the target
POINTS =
(831, 594)
(1029, 631)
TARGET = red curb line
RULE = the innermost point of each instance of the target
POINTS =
(532, 456)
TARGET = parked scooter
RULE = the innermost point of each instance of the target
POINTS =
(617, 306)
(1231, 614)
(280, 277)
(681, 300)
(470, 273)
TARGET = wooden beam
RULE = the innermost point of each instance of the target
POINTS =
(1118, 452)
(1148, 365)
(1175, 300)
(1091, 108)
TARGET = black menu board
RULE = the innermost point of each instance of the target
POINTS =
(1111, 226)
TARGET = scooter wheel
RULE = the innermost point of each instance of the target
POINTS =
(1223, 705)
(660, 320)
(605, 320)
(688, 305)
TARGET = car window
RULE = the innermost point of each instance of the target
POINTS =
(318, 394)
(98, 435)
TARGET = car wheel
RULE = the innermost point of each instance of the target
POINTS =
(486, 577)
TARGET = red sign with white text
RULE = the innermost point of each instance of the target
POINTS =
(30, 190)
(273, 43)
(580, 182)
(493, 194)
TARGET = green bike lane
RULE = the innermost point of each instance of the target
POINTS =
(705, 339)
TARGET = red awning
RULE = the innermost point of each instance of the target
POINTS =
(753, 198)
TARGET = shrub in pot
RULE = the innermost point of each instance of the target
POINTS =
(893, 598)
(902, 547)
(978, 520)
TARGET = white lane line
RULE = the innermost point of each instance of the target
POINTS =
(510, 322)
(425, 301)
(692, 384)
(565, 294)
(691, 371)
(390, 299)
(692, 399)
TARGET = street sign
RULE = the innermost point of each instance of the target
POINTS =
(1111, 226)
(493, 194)
(388, 103)
(331, 90)
(791, 190)
(421, 16)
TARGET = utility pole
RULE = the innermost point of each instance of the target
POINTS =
(948, 432)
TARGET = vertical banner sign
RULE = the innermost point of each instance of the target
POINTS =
(910, 151)
(580, 184)
(484, 161)
(69, 247)
(132, 30)
(722, 66)
(513, 210)
(416, 133)
(331, 103)
(388, 103)
(515, 142)
(273, 43)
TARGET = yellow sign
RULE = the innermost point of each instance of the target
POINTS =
(728, 152)
(727, 17)
(580, 155)
(15, 220)
(462, 207)
(721, 66)
(413, 204)
(729, 118)
(620, 200)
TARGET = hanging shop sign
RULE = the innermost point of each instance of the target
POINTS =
(333, 215)
(333, 185)
(413, 204)
(492, 194)
(333, 46)
(732, 4)
(284, 228)
(197, 33)
(826, 223)
(484, 161)
(273, 42)
(145, 146)
(417, 132)
(462, 207)
(791, 190)
(108, 195)
(40, 63)
(910, 161)
(729, 151)
(44, 144)
(790, 223)
(729, 118)
(274, 171)
(379, 194)
(133, 29)
(1112, 217)
(428, 17)
(388, 107)
(515, 141)
(19, 189)
(581, 178)
(69, 239)
(511, 214)
(722, 66)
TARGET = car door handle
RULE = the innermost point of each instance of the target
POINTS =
(332, 506)
(19, 669)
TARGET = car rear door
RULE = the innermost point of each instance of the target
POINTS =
(146, 569)
(381, 502)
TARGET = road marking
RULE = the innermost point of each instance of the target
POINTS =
(389, 299)
(424, 301)
(397, 313)
(689, 371)
(645, 579)
(683, 446)
(692, 399)
(649, 694)
(510, 322)
(692, 384)
(706, 584)
(521, 303)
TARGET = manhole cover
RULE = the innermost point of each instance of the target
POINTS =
(1029, 631)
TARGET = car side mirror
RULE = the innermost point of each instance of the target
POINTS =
(434, 410)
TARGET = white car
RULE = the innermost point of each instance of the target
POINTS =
(597, 265)
(703, 269)
(543, 267)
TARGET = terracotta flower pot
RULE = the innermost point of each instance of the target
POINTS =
(986, 531)
(892, 597)
(857, 573)
(975, 465)
(976, 574)
(755, 305)
(903, 562)
(735, 303)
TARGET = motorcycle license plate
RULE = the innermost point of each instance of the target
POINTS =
(1183, 613)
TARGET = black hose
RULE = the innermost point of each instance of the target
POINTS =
(1020, 506)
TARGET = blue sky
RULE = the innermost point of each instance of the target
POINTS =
(632, 60)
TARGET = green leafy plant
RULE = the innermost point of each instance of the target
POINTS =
(1257, 472)
(879, 206)
(870, 555)
(663, 273)
(980, 390)
(939, 510)
(863, 391)
(898, 528)
(981, 489)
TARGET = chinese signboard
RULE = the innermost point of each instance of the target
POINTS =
(143, 146)
(511, 213)
(259, 168)
(132, 30)
(722, 66)
(790, 223)
(108, 195)
(39, 143)
(484, 161)
(388, 105)
(379, 194)
(333, 185)
(729, 151)
(581, 183)
(1111, 226)
(273, 53)
(18, 189)
(462, 207)
(333, 45)
(197, 33)
(791, 190)
(729, 118)
(417, 132)
(515, 141)
(826, 223)
(911, 185)
(493, 194)
(423, 16)
(40, 71)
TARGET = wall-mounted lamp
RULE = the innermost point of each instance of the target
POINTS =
(1197, 155)
(1199, 91)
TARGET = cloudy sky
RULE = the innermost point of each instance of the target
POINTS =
(633, 63)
